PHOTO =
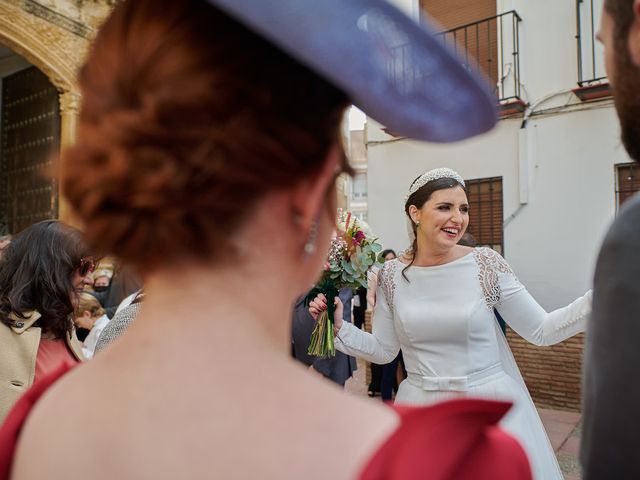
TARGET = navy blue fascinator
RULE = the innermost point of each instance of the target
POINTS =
(391, 68)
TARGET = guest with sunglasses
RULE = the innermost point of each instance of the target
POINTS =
(42, 273)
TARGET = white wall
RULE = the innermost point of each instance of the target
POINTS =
(410, 7)
(393, 165)
(552, 241)
(548, 47)
(552, 235)
(355, 119)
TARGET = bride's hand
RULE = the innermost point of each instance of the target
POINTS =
(319, 305)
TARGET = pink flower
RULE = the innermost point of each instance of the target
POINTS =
(359, 237)
(326, 266)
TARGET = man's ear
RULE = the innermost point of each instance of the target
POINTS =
(633, 40)
(310, 193)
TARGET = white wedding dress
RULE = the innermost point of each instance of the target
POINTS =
(443, 320)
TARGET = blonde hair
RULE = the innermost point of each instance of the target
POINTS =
(89, 303)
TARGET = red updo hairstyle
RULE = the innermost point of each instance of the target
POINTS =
(189, 118)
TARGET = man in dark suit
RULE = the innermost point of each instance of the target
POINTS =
(339, 368)
(611, 433)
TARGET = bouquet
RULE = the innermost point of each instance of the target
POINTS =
(352, 253)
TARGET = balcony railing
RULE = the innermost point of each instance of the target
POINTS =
(491, 46)
(590, 53)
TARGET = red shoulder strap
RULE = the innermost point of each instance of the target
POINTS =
(459, 440)
(10, 430)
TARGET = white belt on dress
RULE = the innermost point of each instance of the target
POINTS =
(454, 384)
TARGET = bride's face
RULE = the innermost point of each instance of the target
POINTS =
(444, 217)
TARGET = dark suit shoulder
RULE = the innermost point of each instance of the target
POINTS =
(621, 245)
(611, 397)
(625, 229)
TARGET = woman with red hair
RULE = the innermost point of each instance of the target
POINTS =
(209, 144)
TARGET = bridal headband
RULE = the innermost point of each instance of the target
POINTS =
(431, 175)
(389, 66)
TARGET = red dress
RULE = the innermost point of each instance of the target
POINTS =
(52, 354)
(455, 440)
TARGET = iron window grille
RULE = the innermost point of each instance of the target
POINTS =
(485, 212)
(490, 46)
(590, 53)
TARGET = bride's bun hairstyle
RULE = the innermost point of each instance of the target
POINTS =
(188, 118)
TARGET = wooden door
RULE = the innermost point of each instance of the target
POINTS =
(30, 129)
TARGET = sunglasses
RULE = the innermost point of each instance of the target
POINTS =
(87, 265)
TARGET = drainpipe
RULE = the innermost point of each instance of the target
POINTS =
(526, 142)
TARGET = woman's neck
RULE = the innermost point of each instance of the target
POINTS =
(428, 255)
(223, 305)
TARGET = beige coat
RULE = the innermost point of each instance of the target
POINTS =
(18, 350)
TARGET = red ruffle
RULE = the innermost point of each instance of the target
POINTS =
(458, 439)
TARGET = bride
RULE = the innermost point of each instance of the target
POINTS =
(436, 303)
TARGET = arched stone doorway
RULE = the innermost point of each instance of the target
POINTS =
(54, 36)
(29, 142)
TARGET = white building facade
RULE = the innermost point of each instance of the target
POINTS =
(546, 178)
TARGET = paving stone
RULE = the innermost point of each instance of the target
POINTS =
(559, 416)
(569, 464)
(571, 446)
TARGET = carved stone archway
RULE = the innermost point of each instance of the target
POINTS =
(56, 45)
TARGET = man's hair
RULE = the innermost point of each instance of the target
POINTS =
(622, 13)
(626, 80)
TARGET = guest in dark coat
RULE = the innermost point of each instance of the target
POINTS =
(339, 368)
(359, 307)
(610, 440)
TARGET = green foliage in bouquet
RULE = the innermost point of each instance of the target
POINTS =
(352, 253)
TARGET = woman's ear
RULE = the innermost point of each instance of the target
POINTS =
(310, 194)
(414, 213)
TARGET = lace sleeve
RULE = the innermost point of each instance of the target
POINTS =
(490, 265)
(503, 291)
(388, 282)
(381, 345)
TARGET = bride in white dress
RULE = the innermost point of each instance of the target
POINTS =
(436, 303)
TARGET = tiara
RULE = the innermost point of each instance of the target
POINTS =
(432, 175)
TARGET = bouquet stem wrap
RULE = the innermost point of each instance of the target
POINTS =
(322, 344)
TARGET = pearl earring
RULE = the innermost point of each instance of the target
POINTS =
(310, 244)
